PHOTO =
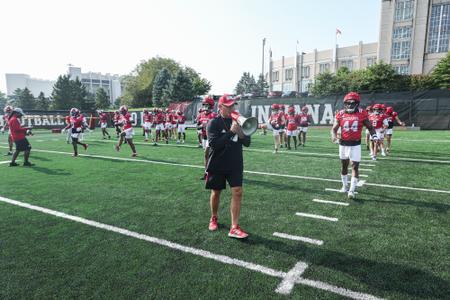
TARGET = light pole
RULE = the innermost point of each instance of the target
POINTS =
(300, 88)
(263, 45)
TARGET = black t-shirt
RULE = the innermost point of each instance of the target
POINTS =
(225, 154)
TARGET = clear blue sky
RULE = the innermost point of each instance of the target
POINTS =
(219, 38)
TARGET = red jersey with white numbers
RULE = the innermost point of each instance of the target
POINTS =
(159, 118)
(351, 124)
(276, 119)
(391, 118)
(77, 122)
(148, 118)
(181, 119)
(103, 118)
(283, 116)
(126, 119)
(377, 120)
(291, 121)
(303, 119)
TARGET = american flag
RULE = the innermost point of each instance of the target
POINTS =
(338, 32)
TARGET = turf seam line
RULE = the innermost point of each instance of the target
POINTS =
(317, 217)
(298, 238)
(330, 202)
(199, 252)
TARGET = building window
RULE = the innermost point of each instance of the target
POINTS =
(275, 76)
(404, 10)
(371, 61)
(276, 87)
(305, 72)
(439, 31)
(323, 68)
(287, 87)
(288, 74)
(401, 69)
(401, 50)
(346, 63)
(402, 32)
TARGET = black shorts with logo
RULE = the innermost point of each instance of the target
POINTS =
(23, 145)
(218, 181)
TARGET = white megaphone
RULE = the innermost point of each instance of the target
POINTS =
(248, 125)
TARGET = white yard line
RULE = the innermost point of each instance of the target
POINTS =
(331, 202)
(245, 171)
(316, 217)
(366, 165)
(366, 170)
(336, 190)
(288, 279)
(287, 284)
(298, 238)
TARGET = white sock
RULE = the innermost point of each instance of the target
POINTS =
(353, 183)
(146, 135)
(344, 179)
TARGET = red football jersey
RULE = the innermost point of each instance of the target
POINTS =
(148, 118)
(181, 119)
(174, 119)
(67, 120)
(377, 120)
(117, 118)
(126, 119)
(17, 131)
(103, 117)
(275, 120)
(291, 121)
(204, 119)
(351, 124)
(159, 118)
(77, 122)
(303, 119)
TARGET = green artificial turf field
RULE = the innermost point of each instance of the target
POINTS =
(392, 242)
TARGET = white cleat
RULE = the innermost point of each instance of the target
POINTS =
(374, 158)
(383, 153)
(343, 190)
(351, 195)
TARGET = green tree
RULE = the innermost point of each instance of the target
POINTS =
(180, 88)
(42, 102)
(441, 73)
(262, 86)
(200, 86)
(3, 101)
(381, 77)
(101, 99)
(324, 85)
(246, 84)
(69, 93)
(161, 87)
(24, 99)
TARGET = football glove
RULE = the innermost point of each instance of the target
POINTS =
(374, 137)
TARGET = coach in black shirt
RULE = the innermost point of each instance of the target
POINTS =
(225, 164)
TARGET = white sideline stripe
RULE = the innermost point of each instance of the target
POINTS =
(199, 252)
(336, 190)
(298, 238)
(330, 202)
(4, 162)
(287, 284)
(366, 170)
(317, 217)
(366, 165)
(245, 171)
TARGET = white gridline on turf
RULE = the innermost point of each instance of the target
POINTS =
(288, 278)
(245, 171)
(298, 238)
(294, 153)
(313, 216)
(330, 202)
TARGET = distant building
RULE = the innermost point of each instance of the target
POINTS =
(93, 81)
(21, 81)
(414, 34)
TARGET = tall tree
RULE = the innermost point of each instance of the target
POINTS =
(42, 102)
(246, 84)
(25, 99)
(161, 87)
(181, 87)
(200, 86)
(3, 100)
(262, 86)
(62, 94)
(441, 73)
(102, 99)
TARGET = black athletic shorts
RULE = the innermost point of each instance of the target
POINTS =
(218, 181)
(23, 145)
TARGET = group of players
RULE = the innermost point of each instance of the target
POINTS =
(288, 125)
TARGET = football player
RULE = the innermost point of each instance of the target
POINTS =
(292, 125)
(127, 130)
(117, 123)
(199, 127)
(8, 110)
(369, 112)
(76, 126)
(305, 120)
(207, 115)
(103, 123)
(351, 120)
(147, 126)
(380, 123)
(181, 127)
(159, 127)
(275, 120)
(283, 140)
(174, 124)
(391, 116)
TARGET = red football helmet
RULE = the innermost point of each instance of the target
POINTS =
(378, 109)
(74, 112)
(275, 106)
(304, 109)
(291, 110)
(282, 107)
(351, 102)
(208, 101)
(145, 111)
(8, 109)
(389, 110)
(123, 109)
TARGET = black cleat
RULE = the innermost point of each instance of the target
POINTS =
(28, 164)
(13, 164)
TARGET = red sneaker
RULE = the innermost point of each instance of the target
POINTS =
(213, 224)
(237, 232)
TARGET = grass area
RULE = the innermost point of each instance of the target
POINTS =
(389, 242)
